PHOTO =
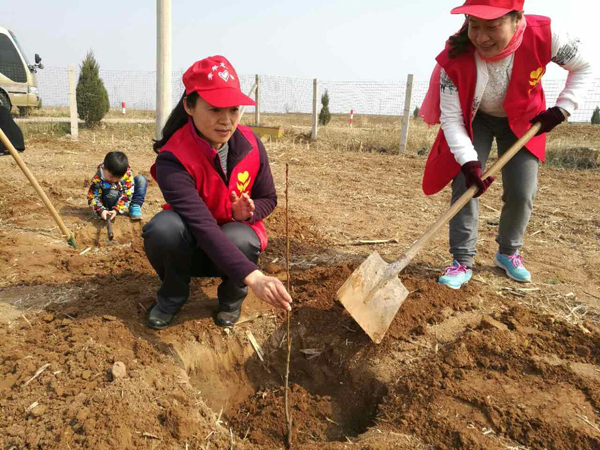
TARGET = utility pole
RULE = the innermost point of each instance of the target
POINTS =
(163, 64)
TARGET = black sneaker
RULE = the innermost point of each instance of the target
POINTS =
(158, 319)
(227, 318)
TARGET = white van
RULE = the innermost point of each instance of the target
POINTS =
(18, 86)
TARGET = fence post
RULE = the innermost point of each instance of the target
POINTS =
(257, 100)
(163, 65)
(406, 116)
(73, 105)
(243, 108)
(315, 117)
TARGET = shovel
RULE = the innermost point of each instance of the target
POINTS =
(111, 235)
(374, 293)
(13, 151)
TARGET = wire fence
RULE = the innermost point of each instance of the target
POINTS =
(280, 94)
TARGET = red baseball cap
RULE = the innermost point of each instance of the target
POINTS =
(216, 81)
(489, 9)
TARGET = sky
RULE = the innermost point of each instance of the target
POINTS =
(341, 40)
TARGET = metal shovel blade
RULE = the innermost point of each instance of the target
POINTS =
(372, 295)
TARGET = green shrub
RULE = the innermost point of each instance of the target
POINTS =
(596, 116)
(416, 112)
(324, 115)
(92, 98)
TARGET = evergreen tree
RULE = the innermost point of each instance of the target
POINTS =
(416, 112)
(92, 97)
(596, 116)
(324, 115)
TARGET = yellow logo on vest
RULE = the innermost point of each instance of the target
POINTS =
(536, 77)
(244, 181)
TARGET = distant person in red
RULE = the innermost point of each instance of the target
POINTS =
(486, 85)
(215, 177)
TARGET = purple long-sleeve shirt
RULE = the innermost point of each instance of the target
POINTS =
(179, 190)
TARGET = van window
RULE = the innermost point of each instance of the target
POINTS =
(23, 54)
(11, 64)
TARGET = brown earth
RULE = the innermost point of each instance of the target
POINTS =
(493, 366)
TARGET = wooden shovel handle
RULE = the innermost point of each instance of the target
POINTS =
(11, 149)
(398, 265)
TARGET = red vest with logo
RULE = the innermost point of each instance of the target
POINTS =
(197, 156)
(524, 99)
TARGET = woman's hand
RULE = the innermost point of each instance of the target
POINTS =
(472, 172)
(242, 208)
(269, 289)
(550, 118)
(110, 214)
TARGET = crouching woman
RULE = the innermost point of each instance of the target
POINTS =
(215, 177)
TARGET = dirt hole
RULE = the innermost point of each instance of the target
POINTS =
(328, 401)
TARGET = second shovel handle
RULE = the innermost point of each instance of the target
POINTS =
(403, 261)
(13, 151)
(109, 228)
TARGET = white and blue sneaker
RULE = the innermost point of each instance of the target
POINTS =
(456, 275)
(513, 266)
(135, 212)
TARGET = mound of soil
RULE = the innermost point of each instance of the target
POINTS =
(528, 379)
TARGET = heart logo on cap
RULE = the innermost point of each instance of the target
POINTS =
(224, 75)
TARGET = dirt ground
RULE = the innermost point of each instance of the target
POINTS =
(497, 365)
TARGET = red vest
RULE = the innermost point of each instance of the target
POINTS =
(524, 99)
(197, 156)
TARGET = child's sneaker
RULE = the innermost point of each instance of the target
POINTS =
(456, 275)
(135, 212)
(513, 266)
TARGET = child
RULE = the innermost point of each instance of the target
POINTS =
(114, 188)
(215, 177)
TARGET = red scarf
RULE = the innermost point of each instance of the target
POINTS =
(430, 109)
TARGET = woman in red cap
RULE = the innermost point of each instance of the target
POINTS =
(215, 177)
(487, 85)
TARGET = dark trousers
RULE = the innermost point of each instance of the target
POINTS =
(111, 197)
(171, 249)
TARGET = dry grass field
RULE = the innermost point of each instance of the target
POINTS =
(497, 365)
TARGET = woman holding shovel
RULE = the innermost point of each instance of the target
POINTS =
(486, 85)
(215, 177)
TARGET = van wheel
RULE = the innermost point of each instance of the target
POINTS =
(24, 111)
(4, 101)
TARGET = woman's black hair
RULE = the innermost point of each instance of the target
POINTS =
(460, 42)
(176, 120)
